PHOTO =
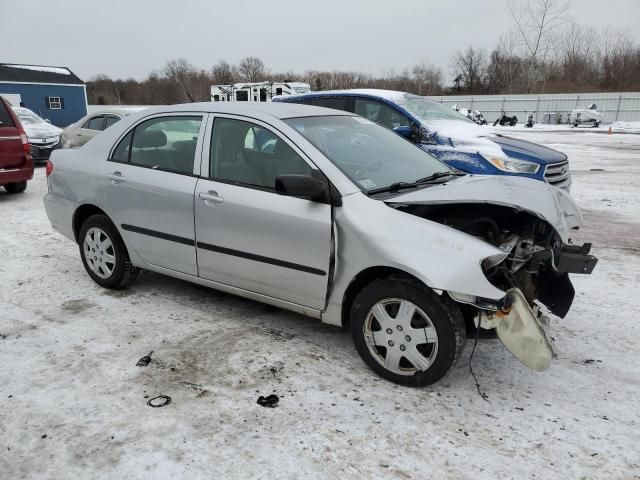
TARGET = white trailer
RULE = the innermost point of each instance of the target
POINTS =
(256, 92)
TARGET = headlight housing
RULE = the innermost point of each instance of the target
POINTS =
(511, 165)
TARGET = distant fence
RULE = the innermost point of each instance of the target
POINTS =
(623, 106)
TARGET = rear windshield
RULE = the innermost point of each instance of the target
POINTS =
(5, 118)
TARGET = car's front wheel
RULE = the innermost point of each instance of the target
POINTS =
(405, 332)
(16, 187)
(104, 254)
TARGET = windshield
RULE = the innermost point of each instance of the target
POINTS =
(427, 110)
(370, 155)
(27, 116)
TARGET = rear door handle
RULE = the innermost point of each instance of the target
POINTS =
(116, 177)
(210, 196)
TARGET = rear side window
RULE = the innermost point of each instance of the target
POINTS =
(110, 120)
(163, 143)
(95, 123)
(336, 103)
(5, 118)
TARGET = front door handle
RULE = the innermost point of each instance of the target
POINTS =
(116, 177)
(210, 196)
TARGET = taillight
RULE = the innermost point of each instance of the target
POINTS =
(49, 167)
(25, 141)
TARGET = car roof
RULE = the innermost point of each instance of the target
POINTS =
(118, 110)
(389, 95)
(258, 109)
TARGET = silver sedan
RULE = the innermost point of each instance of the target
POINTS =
(329, 215)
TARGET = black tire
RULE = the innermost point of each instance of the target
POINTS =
(443, 313)
(16, 187)
(123, 272)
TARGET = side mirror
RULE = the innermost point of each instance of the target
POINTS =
(303, 186)
(404, 131)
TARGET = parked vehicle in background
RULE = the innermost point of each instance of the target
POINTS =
(586, 116)
(16, 163)
(447, 135)
(327, 214)
(530, 120)
(80, 132)
(505, 120)
(474, 115)
(257, 91)
(43, 137)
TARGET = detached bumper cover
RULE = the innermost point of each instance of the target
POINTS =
(522, 331)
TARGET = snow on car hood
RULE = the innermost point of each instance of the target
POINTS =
(38, 131)
(465, 136)
(551, 204)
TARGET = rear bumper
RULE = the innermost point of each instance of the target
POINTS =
(16, 175)
(60, 212)
(41, 153)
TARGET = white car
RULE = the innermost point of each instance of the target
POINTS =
(589, 115)
(43, 137)
(80, 132)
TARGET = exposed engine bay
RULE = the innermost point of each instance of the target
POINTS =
(535, 260)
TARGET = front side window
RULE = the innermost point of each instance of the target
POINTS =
(54, 103)
(380, 113)
(370, 155)
(163, 143)
(246, 153)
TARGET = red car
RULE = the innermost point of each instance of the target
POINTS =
(16, 163)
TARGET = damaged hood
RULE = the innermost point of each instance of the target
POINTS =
(551, 204)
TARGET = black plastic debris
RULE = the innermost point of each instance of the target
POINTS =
(159, 401)
(144, 361)
(270, 401)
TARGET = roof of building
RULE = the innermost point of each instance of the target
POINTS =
(13, 72)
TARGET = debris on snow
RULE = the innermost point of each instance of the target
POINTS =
(159, 401)
(270, 401)
(144, 361)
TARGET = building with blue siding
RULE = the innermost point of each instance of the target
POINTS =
(54, 93)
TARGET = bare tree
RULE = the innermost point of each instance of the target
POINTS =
(428, 78)
(223, 73)
(471, 67)
(179, 71)
(251, 69)
(536, 21)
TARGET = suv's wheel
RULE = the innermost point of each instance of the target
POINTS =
(405, 332)
(16, 187)
(103, 253)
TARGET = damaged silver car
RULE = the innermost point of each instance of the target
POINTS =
(326, 214)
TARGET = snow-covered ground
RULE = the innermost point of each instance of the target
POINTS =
(73, 403)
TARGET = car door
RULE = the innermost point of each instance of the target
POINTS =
(149, 183)
(250, 237)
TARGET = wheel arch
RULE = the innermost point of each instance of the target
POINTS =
(81, 214)
(364, 278)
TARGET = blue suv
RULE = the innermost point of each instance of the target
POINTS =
(447, 134)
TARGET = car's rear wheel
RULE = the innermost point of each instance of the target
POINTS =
(16, 187)
(405, 332)
(104, 254)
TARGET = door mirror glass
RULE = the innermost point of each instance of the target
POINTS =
(403, 131)
(303, 186)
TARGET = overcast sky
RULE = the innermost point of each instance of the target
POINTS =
(129, 38)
